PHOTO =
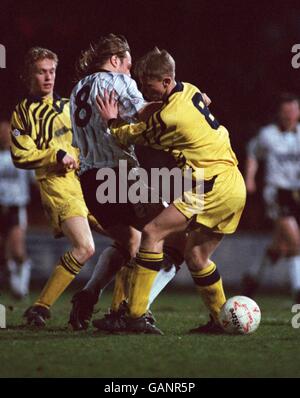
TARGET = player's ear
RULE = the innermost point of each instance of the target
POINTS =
(166, 82)
(114, 60)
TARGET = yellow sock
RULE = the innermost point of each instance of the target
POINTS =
(209, 285)
(121, 287)
(144, 272)
(60, 279)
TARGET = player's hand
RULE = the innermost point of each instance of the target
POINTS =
(107, 105)
(251, 186)
(69, 162)
(206, 99)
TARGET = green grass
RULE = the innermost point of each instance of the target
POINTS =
(273, 351)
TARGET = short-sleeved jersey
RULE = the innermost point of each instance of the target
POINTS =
(281, 152)
(185, 128)
(98, 148)
(40, 128)
(14, 183)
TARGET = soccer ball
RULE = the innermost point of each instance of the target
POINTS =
(240, 315)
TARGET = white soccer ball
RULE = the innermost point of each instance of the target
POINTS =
(240, 315)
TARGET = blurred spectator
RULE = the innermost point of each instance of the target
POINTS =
(14, 197)
(278, 145)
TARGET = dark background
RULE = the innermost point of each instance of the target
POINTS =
(239, 52)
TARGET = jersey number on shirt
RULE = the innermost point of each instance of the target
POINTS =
(202, 108)
(83, 111)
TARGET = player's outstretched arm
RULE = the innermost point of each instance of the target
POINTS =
(108, 108)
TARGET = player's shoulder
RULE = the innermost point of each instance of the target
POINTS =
(268, 130)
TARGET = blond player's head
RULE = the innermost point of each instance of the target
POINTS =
(111, 53)
(156, 73)
(39, 71)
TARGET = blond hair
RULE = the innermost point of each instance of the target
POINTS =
(33, 55)
(156, 64)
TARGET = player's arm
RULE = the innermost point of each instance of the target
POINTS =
(25, 153)
(250, 173)
(255, 151)
(127, 133)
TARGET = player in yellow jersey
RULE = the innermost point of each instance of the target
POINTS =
(185, 128)
(41, 140)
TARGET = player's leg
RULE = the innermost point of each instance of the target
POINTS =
(148, 262)
(18, 263)
(111, 263)
(77, 230)
(290, 245)
(200, 246)
(276, 250)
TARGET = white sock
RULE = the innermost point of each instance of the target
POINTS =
(294, 269)
(161, 280)
(24, 275)
(108, 264)
(19, 277)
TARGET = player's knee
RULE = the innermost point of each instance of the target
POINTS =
(150, 233)
(19, 257)
(85, 251)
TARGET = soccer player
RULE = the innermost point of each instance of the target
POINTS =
(107, 65)
(42, 140)
(278, 144)
(14, 197)
(185, 127)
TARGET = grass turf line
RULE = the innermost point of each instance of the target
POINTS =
(273, 351)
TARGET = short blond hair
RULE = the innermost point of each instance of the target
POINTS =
(155, 64)
(33, 55)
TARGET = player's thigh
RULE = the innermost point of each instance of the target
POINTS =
(287, 233)
(78, 231)
(200, 245)
(169, 221)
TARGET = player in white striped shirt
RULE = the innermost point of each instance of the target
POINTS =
(107, 66)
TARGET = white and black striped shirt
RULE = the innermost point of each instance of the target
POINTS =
(281, 152)
(98, 148)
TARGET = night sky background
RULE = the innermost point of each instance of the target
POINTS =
(239, 52)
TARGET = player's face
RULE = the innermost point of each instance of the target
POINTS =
(43, 78)
(4, 135)
(153, 89)
(125, 64)
(289, 114)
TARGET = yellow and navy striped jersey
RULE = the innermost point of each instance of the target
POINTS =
(41, 127)
(186, 129)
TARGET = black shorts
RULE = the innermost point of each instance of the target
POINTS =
(113, 214)
(288, 202)
(12, 216)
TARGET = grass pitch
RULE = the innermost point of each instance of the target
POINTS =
(273, 351)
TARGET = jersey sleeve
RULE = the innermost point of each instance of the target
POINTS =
(131, 100)
(257, 146)
(25, 154)
(128, 134)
